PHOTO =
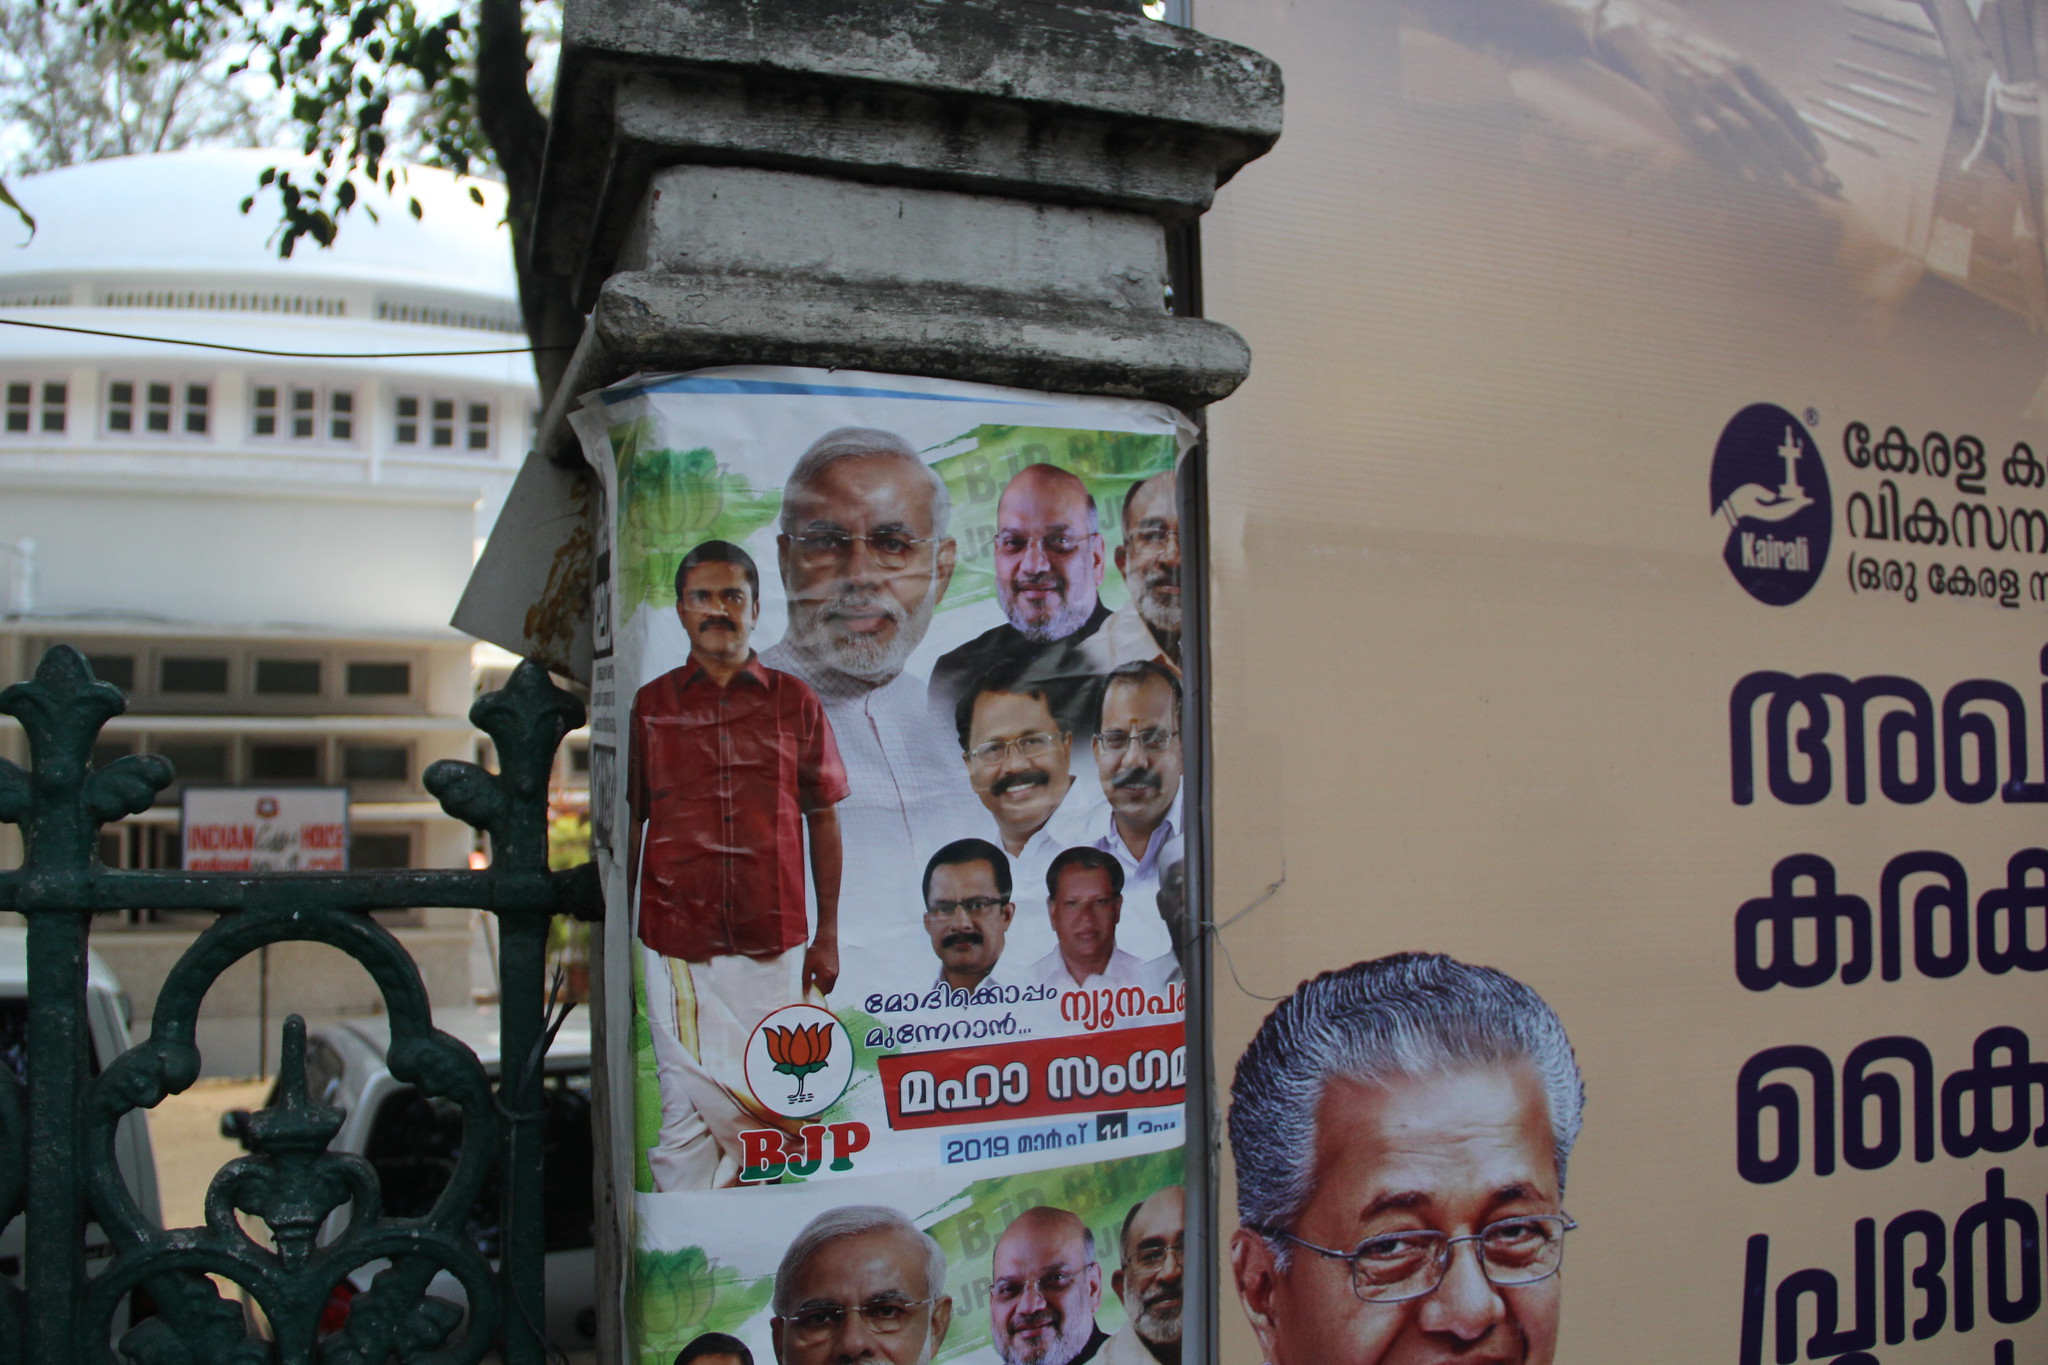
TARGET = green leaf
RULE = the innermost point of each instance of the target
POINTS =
(127, 786)
(28, 220)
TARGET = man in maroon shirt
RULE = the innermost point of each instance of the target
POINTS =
(729, 766)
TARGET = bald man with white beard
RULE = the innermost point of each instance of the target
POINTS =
(865, 560)
(1154, 1255)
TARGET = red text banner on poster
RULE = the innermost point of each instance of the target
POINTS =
(1145, 1067)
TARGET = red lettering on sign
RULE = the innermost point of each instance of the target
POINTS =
(766, 1153)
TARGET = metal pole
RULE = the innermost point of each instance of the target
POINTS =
(1200, 1270)
(263, 1013)
(53, 1251)
(522, 942)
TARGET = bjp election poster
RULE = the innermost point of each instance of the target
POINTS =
(1629, 572)
(887, 794)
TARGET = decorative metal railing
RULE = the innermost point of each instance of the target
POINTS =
(57, 1133)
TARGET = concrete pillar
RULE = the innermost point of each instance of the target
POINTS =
(958, 188)
(966, 189)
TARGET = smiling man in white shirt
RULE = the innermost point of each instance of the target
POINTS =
(1138, 759)
(1019, 758)
(1084, 889)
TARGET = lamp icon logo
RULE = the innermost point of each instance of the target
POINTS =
(799, 1061)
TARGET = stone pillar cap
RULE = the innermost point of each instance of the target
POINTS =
(1028, 99)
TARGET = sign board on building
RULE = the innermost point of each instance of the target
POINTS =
(265, 829)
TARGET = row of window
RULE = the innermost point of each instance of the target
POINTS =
(211, 675)
(286, 412)
(441, 427)
(210, 760)
(35, 407)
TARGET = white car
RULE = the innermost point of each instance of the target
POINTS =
(106, 1027)
(413, 1141)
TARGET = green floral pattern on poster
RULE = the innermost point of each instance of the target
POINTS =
(677, 1295)
(671, 501)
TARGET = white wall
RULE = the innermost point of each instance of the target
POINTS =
(342, 560)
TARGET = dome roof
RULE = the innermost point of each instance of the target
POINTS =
(180, 213)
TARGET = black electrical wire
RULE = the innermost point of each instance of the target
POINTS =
(292, 355)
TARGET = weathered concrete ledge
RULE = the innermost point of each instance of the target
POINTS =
(1022, 99)
(645, 321)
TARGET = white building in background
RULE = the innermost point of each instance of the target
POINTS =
(263, 550)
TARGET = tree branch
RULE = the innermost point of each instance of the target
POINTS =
(517, 132)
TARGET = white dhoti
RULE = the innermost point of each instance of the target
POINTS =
(700, 1016)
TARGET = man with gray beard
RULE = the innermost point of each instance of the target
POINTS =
(865, 558)
(1048, 563)
(1044, 1287)
(1154, 1248)
(1148, 625)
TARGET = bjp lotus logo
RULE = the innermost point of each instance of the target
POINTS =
(799, 1050)
(805, 1045)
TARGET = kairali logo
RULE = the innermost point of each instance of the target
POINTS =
(1771, 488)
(799, 1061)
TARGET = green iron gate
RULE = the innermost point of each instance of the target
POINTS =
(57, 1133)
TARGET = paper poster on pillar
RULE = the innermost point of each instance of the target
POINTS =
(1630, 578)
(887, 790)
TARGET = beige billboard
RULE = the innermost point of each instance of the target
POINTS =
(1629, 564)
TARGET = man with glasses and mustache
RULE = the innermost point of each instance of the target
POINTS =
(1154, 1249)
(1044, 1287)
(865, 558)
(731, 771)
(861, 1283)
(1048, 564)
(1138, 759)
(967, 912)
(1019, 758)
(1401, 1129)
(1148, 625)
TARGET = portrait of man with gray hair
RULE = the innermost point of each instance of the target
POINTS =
(1049, 564)
(1155, 1255)
(865, 559)
(1147, 626)
(1401, 1129)
(861, 1282)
